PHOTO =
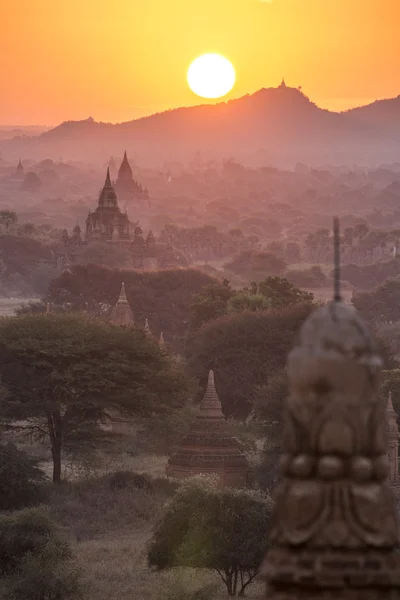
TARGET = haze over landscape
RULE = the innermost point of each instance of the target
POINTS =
(170, 173)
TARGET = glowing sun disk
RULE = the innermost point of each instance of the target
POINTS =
(211, 76)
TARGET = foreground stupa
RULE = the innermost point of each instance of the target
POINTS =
(210, 448)
(334, 535)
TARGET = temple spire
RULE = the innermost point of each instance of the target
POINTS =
(161, 340)
(210, 406)
(108, 178)
(121, 313)
(122, 294)
(146, 328)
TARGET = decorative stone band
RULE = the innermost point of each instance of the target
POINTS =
(330, 467)
(304, 571)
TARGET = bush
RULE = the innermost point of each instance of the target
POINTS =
(35, 563)
(224, 530)
(19, 479)
(112, 503)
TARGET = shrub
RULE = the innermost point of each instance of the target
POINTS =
(35, 563)
(19, 479)
(224, 530)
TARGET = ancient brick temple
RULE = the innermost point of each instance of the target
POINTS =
(210, 447)
(335, 533)
(393, 445)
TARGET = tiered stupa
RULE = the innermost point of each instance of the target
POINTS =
(392, 430)
(334, 535)
(210, 448)
(121, 313)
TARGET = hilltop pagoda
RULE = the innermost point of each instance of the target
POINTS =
(210, 448)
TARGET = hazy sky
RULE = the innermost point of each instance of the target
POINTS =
(120, 59)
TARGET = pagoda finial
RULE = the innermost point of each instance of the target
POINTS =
(146, 328)
(122, 294)
(210, 406)
(108, 178)
(161, 340)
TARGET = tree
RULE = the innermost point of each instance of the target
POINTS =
(282, 293)
(244, 350)
(210, 303)
(381, 305)
(19, 478)
(7, 218)
(243, 301)
(63, 371)
(224, 530)
(269, 409)
(163, 297)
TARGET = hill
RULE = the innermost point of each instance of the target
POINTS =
(274, 124)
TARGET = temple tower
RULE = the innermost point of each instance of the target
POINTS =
(393, 444)
(121, 313)
(20, 170)
(210, 447)
(335, 533)
(107, 222)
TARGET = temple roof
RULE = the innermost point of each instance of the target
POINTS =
(108, 197)
(125, 170)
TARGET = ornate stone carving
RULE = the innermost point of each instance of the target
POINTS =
(335, 529)
(393, 442)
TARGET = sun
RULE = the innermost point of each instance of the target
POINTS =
(211, 76)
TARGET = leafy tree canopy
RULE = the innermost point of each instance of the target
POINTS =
(225, 530)
(244, 350)
(382, 305)
(63, 371)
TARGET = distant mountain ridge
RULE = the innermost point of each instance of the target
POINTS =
(281, 122)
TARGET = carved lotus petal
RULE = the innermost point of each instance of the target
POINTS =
(303, 510)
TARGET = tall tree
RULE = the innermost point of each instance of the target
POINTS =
(63, 371)
(244, 350)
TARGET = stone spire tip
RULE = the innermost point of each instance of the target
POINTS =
(122, 294)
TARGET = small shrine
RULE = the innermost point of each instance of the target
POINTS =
(121, 313)
(210, 448)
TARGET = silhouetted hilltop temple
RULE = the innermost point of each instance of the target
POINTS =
(130, 191)
(210, 447)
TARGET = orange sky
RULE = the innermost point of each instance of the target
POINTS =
(116, 60)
